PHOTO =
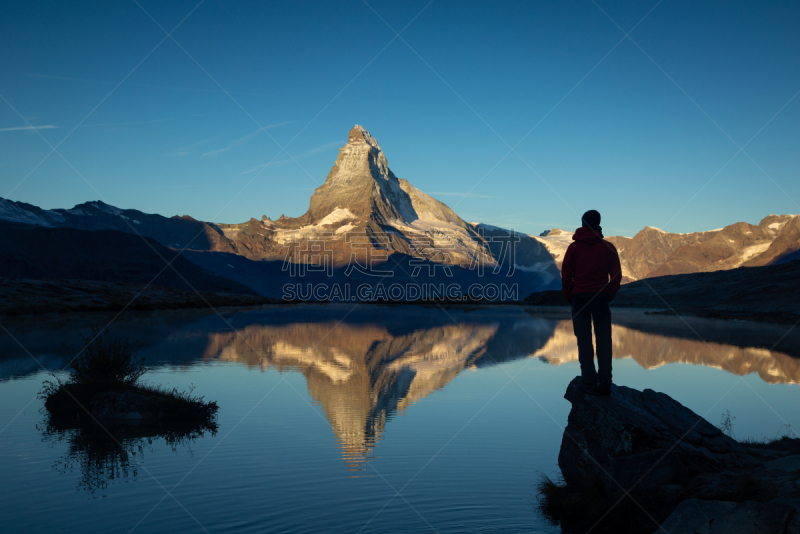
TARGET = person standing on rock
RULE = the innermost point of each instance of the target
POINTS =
(590, 278)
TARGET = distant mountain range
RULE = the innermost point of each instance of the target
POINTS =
(364, 227)
(653, 252)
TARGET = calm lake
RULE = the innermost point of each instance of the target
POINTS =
(367, 419)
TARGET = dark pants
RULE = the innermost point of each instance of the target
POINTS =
(588, 308)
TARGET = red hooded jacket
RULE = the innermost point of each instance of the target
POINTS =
(591, 265)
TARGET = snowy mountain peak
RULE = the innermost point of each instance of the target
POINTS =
(362, 182)
(360, 135)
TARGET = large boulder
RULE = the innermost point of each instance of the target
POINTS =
(690, 475)
(641, 441)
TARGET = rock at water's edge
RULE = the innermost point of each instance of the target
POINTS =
(642, 440)
(650, 446)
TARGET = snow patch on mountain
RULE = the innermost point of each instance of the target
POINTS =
(230, 231)
(556, 243)
(427, 225)
(439, 241)
(337, 215)
(102, 206)
(753, 251)
(345, 228)
(12, 211)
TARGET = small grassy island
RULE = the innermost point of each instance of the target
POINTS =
(104, 390)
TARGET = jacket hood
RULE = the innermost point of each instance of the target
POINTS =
(588, 235)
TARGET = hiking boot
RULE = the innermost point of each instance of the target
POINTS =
(603, 388)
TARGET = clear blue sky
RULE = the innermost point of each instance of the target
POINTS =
(633, 136)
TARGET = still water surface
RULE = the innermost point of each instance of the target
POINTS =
(366, 419)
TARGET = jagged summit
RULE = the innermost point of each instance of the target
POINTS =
(359, 134)
(362, 182)
(361, 193)
(362, 207)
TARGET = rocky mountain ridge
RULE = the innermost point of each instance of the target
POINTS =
(361, 195)
(652, 252)
(175, 232)
(362, 213)
(365, 214)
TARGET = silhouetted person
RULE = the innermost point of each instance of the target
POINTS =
(590, 278)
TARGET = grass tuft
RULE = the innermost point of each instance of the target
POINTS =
(108, 371)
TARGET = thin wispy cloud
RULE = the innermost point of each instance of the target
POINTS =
(242, 140)
(262, 166)
(186, 150)
(23, 128)
(306, 154)
(68, 78)
(323, 148)
(460, 195)
(233, 144)
(116, 124)
(148, 85)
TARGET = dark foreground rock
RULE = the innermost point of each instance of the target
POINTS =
(676, 467)
(641, 439)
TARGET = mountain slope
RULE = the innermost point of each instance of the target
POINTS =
(361, 182)
(36, 252)
(177, 232)
(767, 293)
(361, 195)
(363, 212)
(556, 242)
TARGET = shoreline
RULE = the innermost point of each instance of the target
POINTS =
(27, 297)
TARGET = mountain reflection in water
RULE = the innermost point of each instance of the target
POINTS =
(366, 364)
(362, 374)
(359, 374)
(652, 351)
